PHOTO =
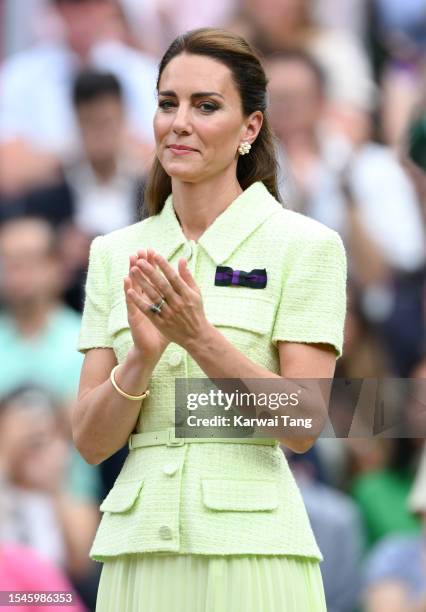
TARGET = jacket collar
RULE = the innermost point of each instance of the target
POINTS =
(234, 225)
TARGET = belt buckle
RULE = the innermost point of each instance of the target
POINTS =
(173, 441)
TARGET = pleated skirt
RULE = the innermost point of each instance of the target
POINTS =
(200, 583)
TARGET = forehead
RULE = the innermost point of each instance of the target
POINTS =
(290, 72)
(186, 74)
(24, 236)
(104, 103)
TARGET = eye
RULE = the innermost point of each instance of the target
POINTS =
(166, 104)
(208, 107)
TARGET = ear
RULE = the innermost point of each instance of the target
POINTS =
(252, 125)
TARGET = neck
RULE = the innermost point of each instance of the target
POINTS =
(104, 170)
(31, 318)
(198, 204)
(81, 51)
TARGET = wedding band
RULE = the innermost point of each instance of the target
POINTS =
(157, 307)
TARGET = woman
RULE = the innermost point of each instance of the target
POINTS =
(222, 524)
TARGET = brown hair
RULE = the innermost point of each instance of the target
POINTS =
(250, 80)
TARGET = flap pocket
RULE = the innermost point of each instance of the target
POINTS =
(122, 496)
(253, 313)
(241, 495)
(118, 318)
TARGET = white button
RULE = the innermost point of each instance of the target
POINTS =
(165, 532)
(170, 468)
(175, 359)
(187, 251)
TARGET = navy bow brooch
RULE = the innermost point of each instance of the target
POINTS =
(256, 279)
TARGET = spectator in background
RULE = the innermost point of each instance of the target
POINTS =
(381, 491)
(279, 25)
(334, 518)
(350, 15)
(23, 569)
(33, 460)
(38, 128)
(38, 509)
(322, 166)
(413, 153)
(157, 23)
(18, 24)
(395, 571)
(401, 34)
(100, 192)
(358, 188)
(364, 355)
(38, 334)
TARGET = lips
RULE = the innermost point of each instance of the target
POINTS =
(181, 148)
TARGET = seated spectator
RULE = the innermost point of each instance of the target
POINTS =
(334, 518)
(322, 166)
(350, 16)
(100, 192)
(22, 569)
(289, 24)
(381, 491)
(38, 509)
(38, 334)
(38, 127)
(395, 571)
(413, 154)
(400, 30)
(363, 353)
(359, 189)
(156, 24)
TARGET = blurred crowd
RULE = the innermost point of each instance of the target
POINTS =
(347, 102)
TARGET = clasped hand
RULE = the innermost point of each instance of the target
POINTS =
(181, 320)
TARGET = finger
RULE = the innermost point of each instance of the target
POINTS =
(141, 254)
(142, 305)
(146, 255)
(171, 275)
(132, 309)
(150, 291)
(132, 263)
(158, 280)
(185, 273)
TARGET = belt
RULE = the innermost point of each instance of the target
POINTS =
(167, 437)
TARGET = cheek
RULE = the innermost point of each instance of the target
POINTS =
(219, 135)
(161, 127)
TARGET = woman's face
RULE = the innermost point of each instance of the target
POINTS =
(199, 107)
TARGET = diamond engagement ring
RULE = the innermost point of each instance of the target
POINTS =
(157, 307)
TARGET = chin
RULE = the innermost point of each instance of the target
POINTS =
(179, 172)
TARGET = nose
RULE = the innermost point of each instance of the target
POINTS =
(182, 120)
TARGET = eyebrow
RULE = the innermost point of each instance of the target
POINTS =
(198, 94)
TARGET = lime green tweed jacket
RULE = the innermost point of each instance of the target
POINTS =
(216, 498)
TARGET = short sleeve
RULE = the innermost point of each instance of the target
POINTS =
(312, 308)
(94, 323)
(396, 557)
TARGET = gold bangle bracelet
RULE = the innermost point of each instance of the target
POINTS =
(123, 393)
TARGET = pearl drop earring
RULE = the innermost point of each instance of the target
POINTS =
(244, 148)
